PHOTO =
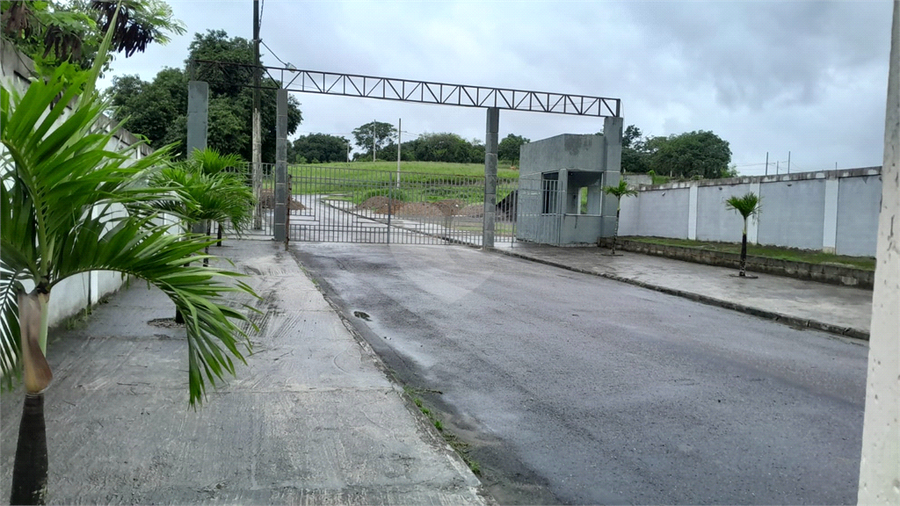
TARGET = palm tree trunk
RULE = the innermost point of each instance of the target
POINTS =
(219, 234)
(29, 482)
(208, 235)
(743, 272)
(616, 231)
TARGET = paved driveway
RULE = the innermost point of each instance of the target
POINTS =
(577, 389)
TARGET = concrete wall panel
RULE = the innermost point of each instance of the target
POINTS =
(859, 199)
(792, 213)
(662, 213)
(715, 222)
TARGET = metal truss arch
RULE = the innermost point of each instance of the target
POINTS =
(430, 92)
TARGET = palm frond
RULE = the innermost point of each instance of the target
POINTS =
(746, 205)
(620, 190)
(70, 204)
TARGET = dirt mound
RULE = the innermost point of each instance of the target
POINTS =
(450, 207)
(267, 200)
(380, 203)
(472, 211)
(420, 209)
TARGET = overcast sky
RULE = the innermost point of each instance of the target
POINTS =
(798, 76)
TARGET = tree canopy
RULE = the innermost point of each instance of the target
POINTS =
(446, 147)
(373, 135)
(158, 109)
(318, 148)
(698, 154)
(508, 149)
(54, 31)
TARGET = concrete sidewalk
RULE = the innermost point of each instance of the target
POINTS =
(312, 418)
(837, 309)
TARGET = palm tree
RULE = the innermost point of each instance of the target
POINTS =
(619, 191)
(231, 170)
(64, 197)
(746, 206)
(200, 198)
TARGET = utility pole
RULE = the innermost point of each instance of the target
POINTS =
(399, 141)
(767, 163)
(373, 140)
(789, 162)
(256, 156)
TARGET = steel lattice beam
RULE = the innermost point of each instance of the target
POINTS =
(461, 95)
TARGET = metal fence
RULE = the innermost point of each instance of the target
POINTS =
(343, 204)
(540, 208)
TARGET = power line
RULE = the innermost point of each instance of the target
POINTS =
(275, 55)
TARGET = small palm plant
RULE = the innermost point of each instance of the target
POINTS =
(619, 191)
(230, 171)
(200, 197)
(746, 206)
(63, 199)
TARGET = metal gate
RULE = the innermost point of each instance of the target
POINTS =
(343, 204)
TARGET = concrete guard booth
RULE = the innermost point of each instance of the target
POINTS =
(554, 173)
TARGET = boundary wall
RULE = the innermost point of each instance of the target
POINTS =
(835, 211)
(81, 291)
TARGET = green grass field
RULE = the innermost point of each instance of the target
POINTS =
(446, 169)
(419, 181)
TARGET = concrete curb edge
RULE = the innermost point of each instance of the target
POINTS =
(792, 321)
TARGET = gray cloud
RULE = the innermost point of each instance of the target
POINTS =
(809, 77)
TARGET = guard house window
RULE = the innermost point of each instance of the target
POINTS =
(549, 187)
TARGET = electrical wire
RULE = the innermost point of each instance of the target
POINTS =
(273, 53)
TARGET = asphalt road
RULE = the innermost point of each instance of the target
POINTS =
(576, 389)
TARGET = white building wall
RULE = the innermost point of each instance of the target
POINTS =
(829, 210)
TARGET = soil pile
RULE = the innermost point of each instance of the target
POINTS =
(472, 210)
(420, 209)
(380, 203)
(267, 201)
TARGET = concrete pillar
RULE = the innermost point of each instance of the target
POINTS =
(197, 117)
(281, 190)
(829, 231)
(491, 141)
(692, 211)
(612, 172)
(879, 468)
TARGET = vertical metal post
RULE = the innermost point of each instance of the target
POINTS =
(490, 177)
(281, 190)
(399, 142)
(373, 140)
(390, 203)
(789, 162)
(767, 163)
(256, 139)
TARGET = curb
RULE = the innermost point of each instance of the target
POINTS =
(792, 321)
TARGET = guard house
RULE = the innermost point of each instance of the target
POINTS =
(556, 175)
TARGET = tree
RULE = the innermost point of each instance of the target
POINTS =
(699, 154)
(52, 32)
(158, 109)
(64, 193)
(373, 135)
(321, 148)
(619, 191)
(445, 147)
(746, 206)
(508, 149)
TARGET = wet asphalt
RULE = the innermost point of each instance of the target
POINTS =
(577, 389)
